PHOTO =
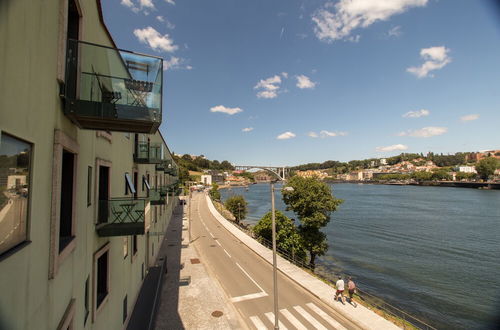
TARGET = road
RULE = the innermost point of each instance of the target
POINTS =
(12, 222)
(247, 279)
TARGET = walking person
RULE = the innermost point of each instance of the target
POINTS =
(351, 288)
(340, 290)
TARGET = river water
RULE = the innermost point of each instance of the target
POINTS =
(432, 251)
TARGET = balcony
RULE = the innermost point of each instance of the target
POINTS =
(121, 217)
(148, 153)
(112, 89)
(157, 196)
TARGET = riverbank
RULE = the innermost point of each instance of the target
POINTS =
(454, 184)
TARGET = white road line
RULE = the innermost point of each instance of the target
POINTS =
(249, 297)
(309, 318)
(293, 320)
(237, 264)
(227, 253)
(211, 234)
(258, 323)
(218, 243)
(325, 316)
(270, 317)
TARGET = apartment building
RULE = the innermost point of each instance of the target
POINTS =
(87, 182)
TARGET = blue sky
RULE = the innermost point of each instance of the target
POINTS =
(287, 82)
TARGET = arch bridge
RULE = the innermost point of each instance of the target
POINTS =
(281, 172)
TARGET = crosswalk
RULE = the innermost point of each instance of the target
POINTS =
(298, 317)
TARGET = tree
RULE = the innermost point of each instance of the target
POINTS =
(237, 205)
(313, 202)
(486, 167)
(214, 192)
(288, 238)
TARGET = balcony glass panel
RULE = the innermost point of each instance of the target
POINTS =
(157, 196)
(112, 89)
(148, 153)
(121, 217)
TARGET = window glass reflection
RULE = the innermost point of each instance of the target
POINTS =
(14, 190)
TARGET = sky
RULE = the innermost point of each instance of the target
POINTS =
(288, 82)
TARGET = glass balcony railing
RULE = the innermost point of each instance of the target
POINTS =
(148, 153)
(112, 89)
(121, 217)
(157, 196)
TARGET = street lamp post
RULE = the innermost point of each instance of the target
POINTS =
(275, 275)
(239, 213)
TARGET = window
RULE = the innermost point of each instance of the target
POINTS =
(125, 247)
(103, 194)
(101, 278)
(129, 185)
(15, 159)
(66, 232)
(86, 302)
(134, 245)
(136, 184)
(63, 215)
(89, 186)
(125, 308)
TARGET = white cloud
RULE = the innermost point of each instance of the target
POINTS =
(247, 129)
(189, 67)
(435, 58)
(417, 114)
(304, 82)
(268, 87)
(348, 15)
(285, 136)
(395, 32)
(172, 2)
(160, 19)
(147, 4)
(392, 148)
(223, 109)
(301, 35)
(172, 63)
(425, 132)
(155, 40)
(313, 134)
(284, 74)
(325, 134)
(469, 117)
(127, 3)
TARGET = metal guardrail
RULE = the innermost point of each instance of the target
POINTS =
(408, 321)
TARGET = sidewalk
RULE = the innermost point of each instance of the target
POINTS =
(361, 315)
(191, 298)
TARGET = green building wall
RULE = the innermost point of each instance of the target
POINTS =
(31, 109)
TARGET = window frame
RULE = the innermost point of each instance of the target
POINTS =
(129, 185)
(99, 253)
(67, 321)
(89, 185)
(62, 142)
(26, 240)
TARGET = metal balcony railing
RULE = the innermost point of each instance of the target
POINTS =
(112, 89)
(121, 217)
(148, 153)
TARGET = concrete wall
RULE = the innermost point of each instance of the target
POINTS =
(31, 109)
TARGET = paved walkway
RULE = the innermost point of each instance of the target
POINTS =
(191, 298)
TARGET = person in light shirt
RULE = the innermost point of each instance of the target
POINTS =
(340, 290)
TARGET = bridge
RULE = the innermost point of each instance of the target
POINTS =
(281, 172)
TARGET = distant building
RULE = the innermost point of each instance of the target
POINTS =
(383, 161)
(206, 179)
(466, 169)
(312, 173)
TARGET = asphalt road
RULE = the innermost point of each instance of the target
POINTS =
(247, 279)
(12, 223)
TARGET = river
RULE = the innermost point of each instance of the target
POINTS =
(432, 251)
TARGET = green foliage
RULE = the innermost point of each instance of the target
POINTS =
(214, 192)
(312, 201)
(393, 176)
(465, 176)
(238, 206)
(422, 176)
(486, 167)
(441, 175)
(247, 175)
(183, 174)
(287, 235)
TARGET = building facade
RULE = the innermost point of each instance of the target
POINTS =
(87, 182)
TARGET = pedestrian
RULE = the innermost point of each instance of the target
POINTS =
(351, 287)
(340, 289)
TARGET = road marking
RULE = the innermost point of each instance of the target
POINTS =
(293, 320)
(325, 316)
(258, 323)
(218, 243)
(211, 234)
(227, 253)
(237, 264)
(309, 318)
(249, 297)
(270, 317)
